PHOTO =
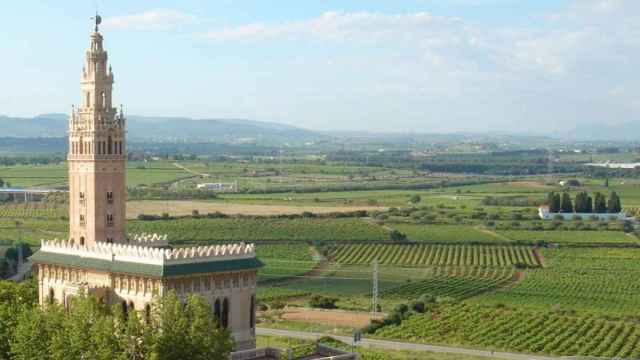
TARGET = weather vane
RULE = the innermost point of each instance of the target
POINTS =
(98, 20)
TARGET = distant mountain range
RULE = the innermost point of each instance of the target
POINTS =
(169, 129)
(627, 131)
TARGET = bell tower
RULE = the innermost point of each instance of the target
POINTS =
(97, 155)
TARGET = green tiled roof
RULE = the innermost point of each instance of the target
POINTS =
(146, 269)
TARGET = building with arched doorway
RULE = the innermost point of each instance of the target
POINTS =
(100, 258)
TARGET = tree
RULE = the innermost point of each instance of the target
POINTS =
(613, 205)
(553, 201)
(14, 298)
(566, 206)
(396, 235)
(170, 330)
(189, 332)
(599, 204)
(589, 204)
(580, 202)
(414, 199)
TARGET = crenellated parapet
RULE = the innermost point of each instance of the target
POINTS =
(150, 255)
(146, 239)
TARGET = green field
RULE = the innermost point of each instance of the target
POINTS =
(458, 286)
(602, 281)
(203, 230)
(446, 233)
(56, 175)
(560, 236)
(284, 261)
(519, 330)
(433, 255)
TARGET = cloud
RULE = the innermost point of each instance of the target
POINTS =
(572, 66)
(158, 19)
(339, 26)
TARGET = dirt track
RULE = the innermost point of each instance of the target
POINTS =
(328, 317)
(180, 207)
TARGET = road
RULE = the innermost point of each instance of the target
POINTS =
(22, 272)
(394, 345)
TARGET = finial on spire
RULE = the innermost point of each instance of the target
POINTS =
(98, 21)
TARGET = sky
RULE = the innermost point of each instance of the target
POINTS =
(526, 66)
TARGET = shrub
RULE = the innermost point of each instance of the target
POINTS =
(418, 307)
(396, 235)
(323, 302)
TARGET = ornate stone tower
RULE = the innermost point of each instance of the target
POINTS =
(100, 260)
(97, 156)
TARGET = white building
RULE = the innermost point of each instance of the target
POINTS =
(544, 214)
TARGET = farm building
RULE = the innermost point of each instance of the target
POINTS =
(545, 214)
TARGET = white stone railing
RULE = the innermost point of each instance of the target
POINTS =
(149, 254)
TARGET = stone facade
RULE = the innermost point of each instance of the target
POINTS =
(100, 259)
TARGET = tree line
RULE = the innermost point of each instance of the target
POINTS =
(88, 329)
(584, 203)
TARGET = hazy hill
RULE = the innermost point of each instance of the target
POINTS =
(627, 131)
(172, 129)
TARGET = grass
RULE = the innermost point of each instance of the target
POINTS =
(571, 236)
(206, 230)
(366, 354)
(433, 255)
(600, 280)
(446, 233)
(55, 175)
(284, 261)
(518, 330)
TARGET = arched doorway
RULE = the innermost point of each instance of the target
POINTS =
(81, 240)
(147, 313)
(51, 297)
(125, 310)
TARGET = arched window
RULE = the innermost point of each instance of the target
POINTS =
(87, 99)
(216, 311)
(81, 146)
(225, 313)
(51, 297)
(131, 306)
(104, 100)
(252, 312)
(109, 145)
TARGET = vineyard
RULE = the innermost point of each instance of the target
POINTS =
(520, 330)
(571, 236)
(434, 255)
(587, 280)
(15, 212)
(458, 285)
(204, 230)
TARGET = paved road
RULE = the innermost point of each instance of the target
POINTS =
(22, 272)
(393, 345)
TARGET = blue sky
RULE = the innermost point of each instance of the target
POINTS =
(419, 66)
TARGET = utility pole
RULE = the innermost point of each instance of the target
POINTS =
(374, 295)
